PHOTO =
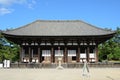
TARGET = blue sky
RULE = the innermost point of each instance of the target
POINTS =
(101, 13)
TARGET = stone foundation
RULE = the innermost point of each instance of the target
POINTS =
(65, 65)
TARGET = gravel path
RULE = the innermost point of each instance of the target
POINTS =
(55, 74)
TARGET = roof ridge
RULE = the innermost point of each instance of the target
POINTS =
(59, 20)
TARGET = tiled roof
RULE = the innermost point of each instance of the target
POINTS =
(58, 28)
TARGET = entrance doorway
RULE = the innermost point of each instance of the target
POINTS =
(58, 53)
(46, 56)
(72, 56)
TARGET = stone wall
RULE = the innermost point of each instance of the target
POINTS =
(65, 65)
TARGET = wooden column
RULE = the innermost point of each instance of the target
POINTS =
(30, 57)
(65, 55)
(39, 56)
(52, 55)
(96, 52)
(78, 54)
(87, 52)
(21, 51)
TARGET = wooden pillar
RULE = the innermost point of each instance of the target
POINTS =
(78, 54)
(65, 55)
(52, 55)
(39, 56)
(20, 54)
(87, 52)
(96, 52)
(30, 56)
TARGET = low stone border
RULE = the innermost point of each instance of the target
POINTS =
(65, 65)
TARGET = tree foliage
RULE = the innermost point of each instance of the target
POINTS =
(8, 50)
(110, 50)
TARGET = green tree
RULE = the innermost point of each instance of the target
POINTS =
(1, 55)
(8, 50)
(110, 50)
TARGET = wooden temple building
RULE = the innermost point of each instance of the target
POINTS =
(44, 41)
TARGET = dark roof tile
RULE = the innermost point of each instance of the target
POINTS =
(58, 28)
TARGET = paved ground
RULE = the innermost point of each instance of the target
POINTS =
(54, 74)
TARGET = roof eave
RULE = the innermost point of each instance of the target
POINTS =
(58, 35)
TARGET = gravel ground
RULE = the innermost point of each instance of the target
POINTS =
(55, 74)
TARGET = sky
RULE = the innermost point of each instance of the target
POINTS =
(100, 13)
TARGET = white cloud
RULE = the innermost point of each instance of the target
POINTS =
(4, 11)
(6, 4)
(11, 2)
(31, 4)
